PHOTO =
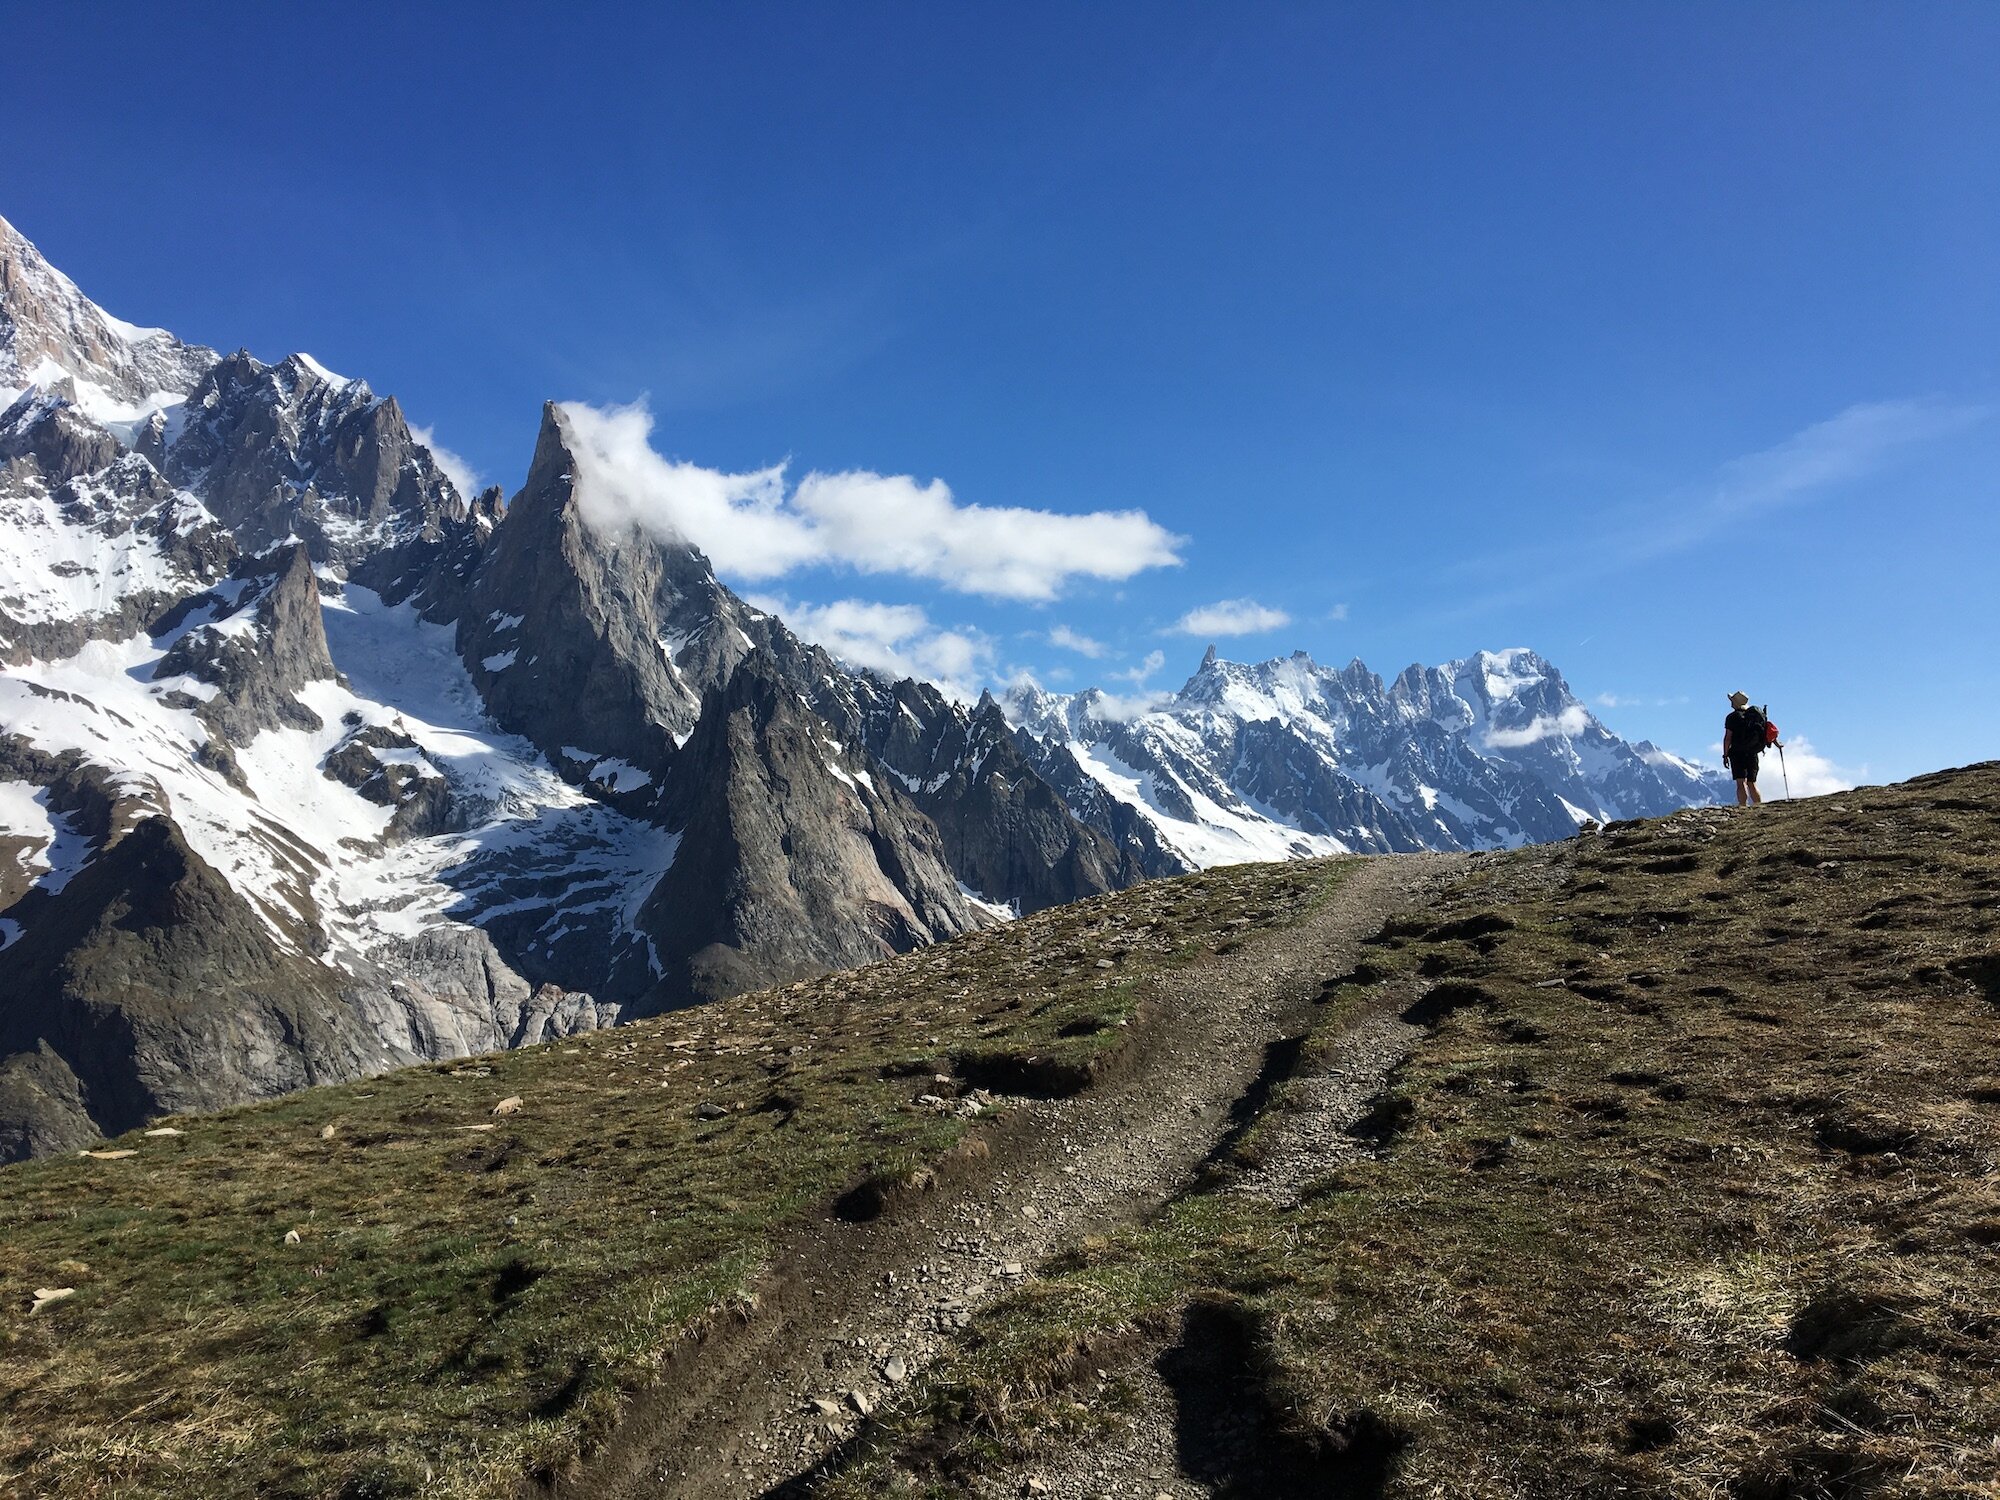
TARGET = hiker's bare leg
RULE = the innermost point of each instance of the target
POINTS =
(1742, 792)
(1755, 795)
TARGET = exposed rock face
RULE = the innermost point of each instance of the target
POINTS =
(389, 768)
(290, 450)
(570, 634)
(45, 322)
(98, 543)
(44, 428)
(1007, 834)
(260, 656)
(453, 995)
(1127, 828)
(794, 858)
(147, 986)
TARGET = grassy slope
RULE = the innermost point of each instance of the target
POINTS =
(1718, 1213)
(471, 1295)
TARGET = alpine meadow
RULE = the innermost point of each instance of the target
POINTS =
(761, 863)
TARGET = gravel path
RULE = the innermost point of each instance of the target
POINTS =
(1156, 1455)
(854, 1311)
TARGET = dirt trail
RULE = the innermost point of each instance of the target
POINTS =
(852, 1312)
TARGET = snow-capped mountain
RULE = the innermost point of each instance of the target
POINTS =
(311, 766)
(1288, 758)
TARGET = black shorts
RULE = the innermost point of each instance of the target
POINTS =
(1744, 770)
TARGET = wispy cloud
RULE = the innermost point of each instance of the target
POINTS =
(1231, 617)
(1636, 700)
(757, 526)
(896, 640)
(1853, 443)
(1139, 674)
(1809, 466)
(465, 479)
(1070, 640)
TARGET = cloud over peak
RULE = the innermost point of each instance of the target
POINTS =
(756, 527)
(894, 640)
(1231, 617)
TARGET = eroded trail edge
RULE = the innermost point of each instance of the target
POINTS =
(851, 1311)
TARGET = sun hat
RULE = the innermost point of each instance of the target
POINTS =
(1739, 699)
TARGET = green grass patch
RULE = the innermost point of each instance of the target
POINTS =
(1664, 1203)
(471, 1296)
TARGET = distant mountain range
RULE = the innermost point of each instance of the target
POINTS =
(311, 765)
(1287, 758)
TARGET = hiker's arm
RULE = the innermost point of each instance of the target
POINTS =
(1726, 735)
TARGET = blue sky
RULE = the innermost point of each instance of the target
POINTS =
(1665, 340)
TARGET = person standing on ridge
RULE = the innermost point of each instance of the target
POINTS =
(1745, 734)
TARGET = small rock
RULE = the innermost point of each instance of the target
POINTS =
(119, 1155)
(826, 1406)
(1012, 1268)
(860, 1402)
(1104, 963)
(165, 1130)
(896, 1370)
(44, 1295)
(327, 1132)
(709, 1111)
(508, 1106)
(488, 1126)
(292, 1237)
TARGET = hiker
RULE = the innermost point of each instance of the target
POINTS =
(1746, 733)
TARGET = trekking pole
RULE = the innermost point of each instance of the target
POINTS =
(1785, 772)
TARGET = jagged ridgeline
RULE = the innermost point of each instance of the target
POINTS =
(311, 765)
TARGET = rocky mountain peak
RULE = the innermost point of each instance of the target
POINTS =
(818, 862)
(293, 450)
(48, 328)
(258, 655)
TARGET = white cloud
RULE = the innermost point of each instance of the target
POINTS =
(1337, 613)
(1811, 774)
(465, 479)
(754, 527)
(1629, 700)
(1123, 708)
(1070, 640)
(1136, 675)
(896, 640)
(1231, 617)
(1571, 721)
